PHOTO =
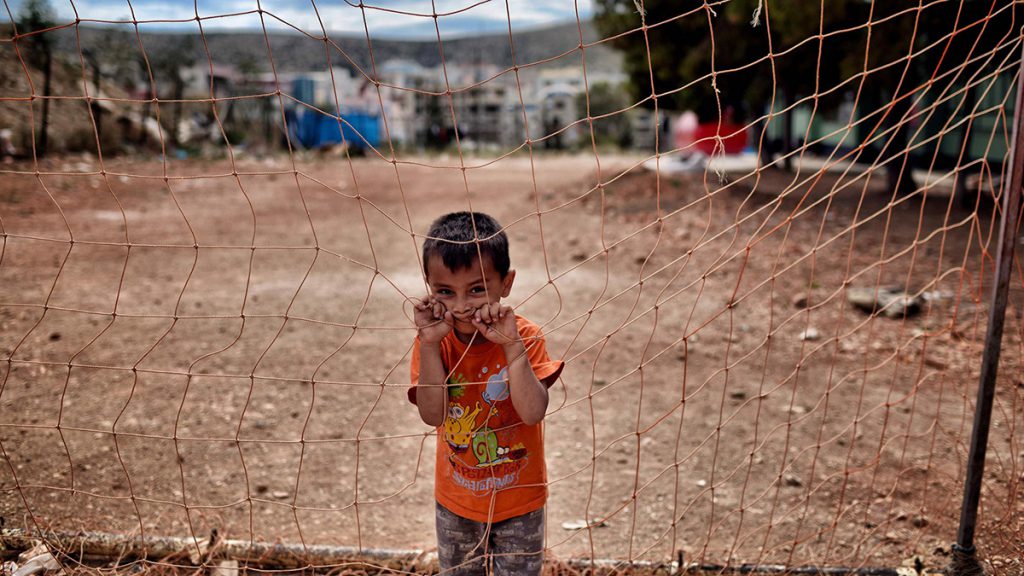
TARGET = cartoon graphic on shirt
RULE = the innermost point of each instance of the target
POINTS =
(496, 466)
(497, 386)
(459, 426)
(455, 385)
(479, 432)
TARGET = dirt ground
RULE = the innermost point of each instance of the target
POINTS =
(721, 397)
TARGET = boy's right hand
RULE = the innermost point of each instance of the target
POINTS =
(433, 321)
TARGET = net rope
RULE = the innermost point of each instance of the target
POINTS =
(223, 342)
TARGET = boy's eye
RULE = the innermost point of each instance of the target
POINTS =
(478, 290)
(443, 292)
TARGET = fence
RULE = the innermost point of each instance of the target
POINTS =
(773, 358)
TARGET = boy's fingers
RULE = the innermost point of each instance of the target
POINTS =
(481, 327)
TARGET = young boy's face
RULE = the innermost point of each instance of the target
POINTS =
(465, 290)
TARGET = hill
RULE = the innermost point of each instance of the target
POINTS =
(295, 52)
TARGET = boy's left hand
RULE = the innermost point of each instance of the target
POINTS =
(497, 323)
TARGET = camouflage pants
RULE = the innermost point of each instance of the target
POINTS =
(469, 548)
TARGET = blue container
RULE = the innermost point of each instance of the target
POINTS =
(316, 130)
(360, 130)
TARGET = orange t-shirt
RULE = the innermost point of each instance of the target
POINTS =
(484, 451)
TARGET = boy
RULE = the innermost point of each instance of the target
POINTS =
(480, 374)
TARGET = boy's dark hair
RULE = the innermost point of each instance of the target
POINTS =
(451, 237)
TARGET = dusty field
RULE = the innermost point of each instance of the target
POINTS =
(257, 384)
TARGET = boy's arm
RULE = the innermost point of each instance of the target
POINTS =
(529, 396)
(433, 323)
(430, 389)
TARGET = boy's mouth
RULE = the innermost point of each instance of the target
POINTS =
(464, 327)
(464, 317)
(465, 324)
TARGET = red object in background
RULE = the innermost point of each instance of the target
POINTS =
(691, 135)
(734, 137)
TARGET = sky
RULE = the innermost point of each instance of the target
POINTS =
(385, 18)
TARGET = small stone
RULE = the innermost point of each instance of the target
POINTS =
(810, 334)
(892, 302)
(799, 300)
(54, 336)
(919, 521)
(583, 524)
(702, 483)
(738, 394)
(792, 480)
(280, 494)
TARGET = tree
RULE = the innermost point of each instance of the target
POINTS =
(37, 16)
(809, 50)
(941, 37)
(684, 49)
(756, 49)
(799, 50)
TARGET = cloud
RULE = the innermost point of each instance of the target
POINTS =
(383, 18)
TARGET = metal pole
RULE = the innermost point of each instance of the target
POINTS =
(964, 561)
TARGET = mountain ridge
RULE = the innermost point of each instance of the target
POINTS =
(555, 46)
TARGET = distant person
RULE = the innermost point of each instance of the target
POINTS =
(480, 374)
